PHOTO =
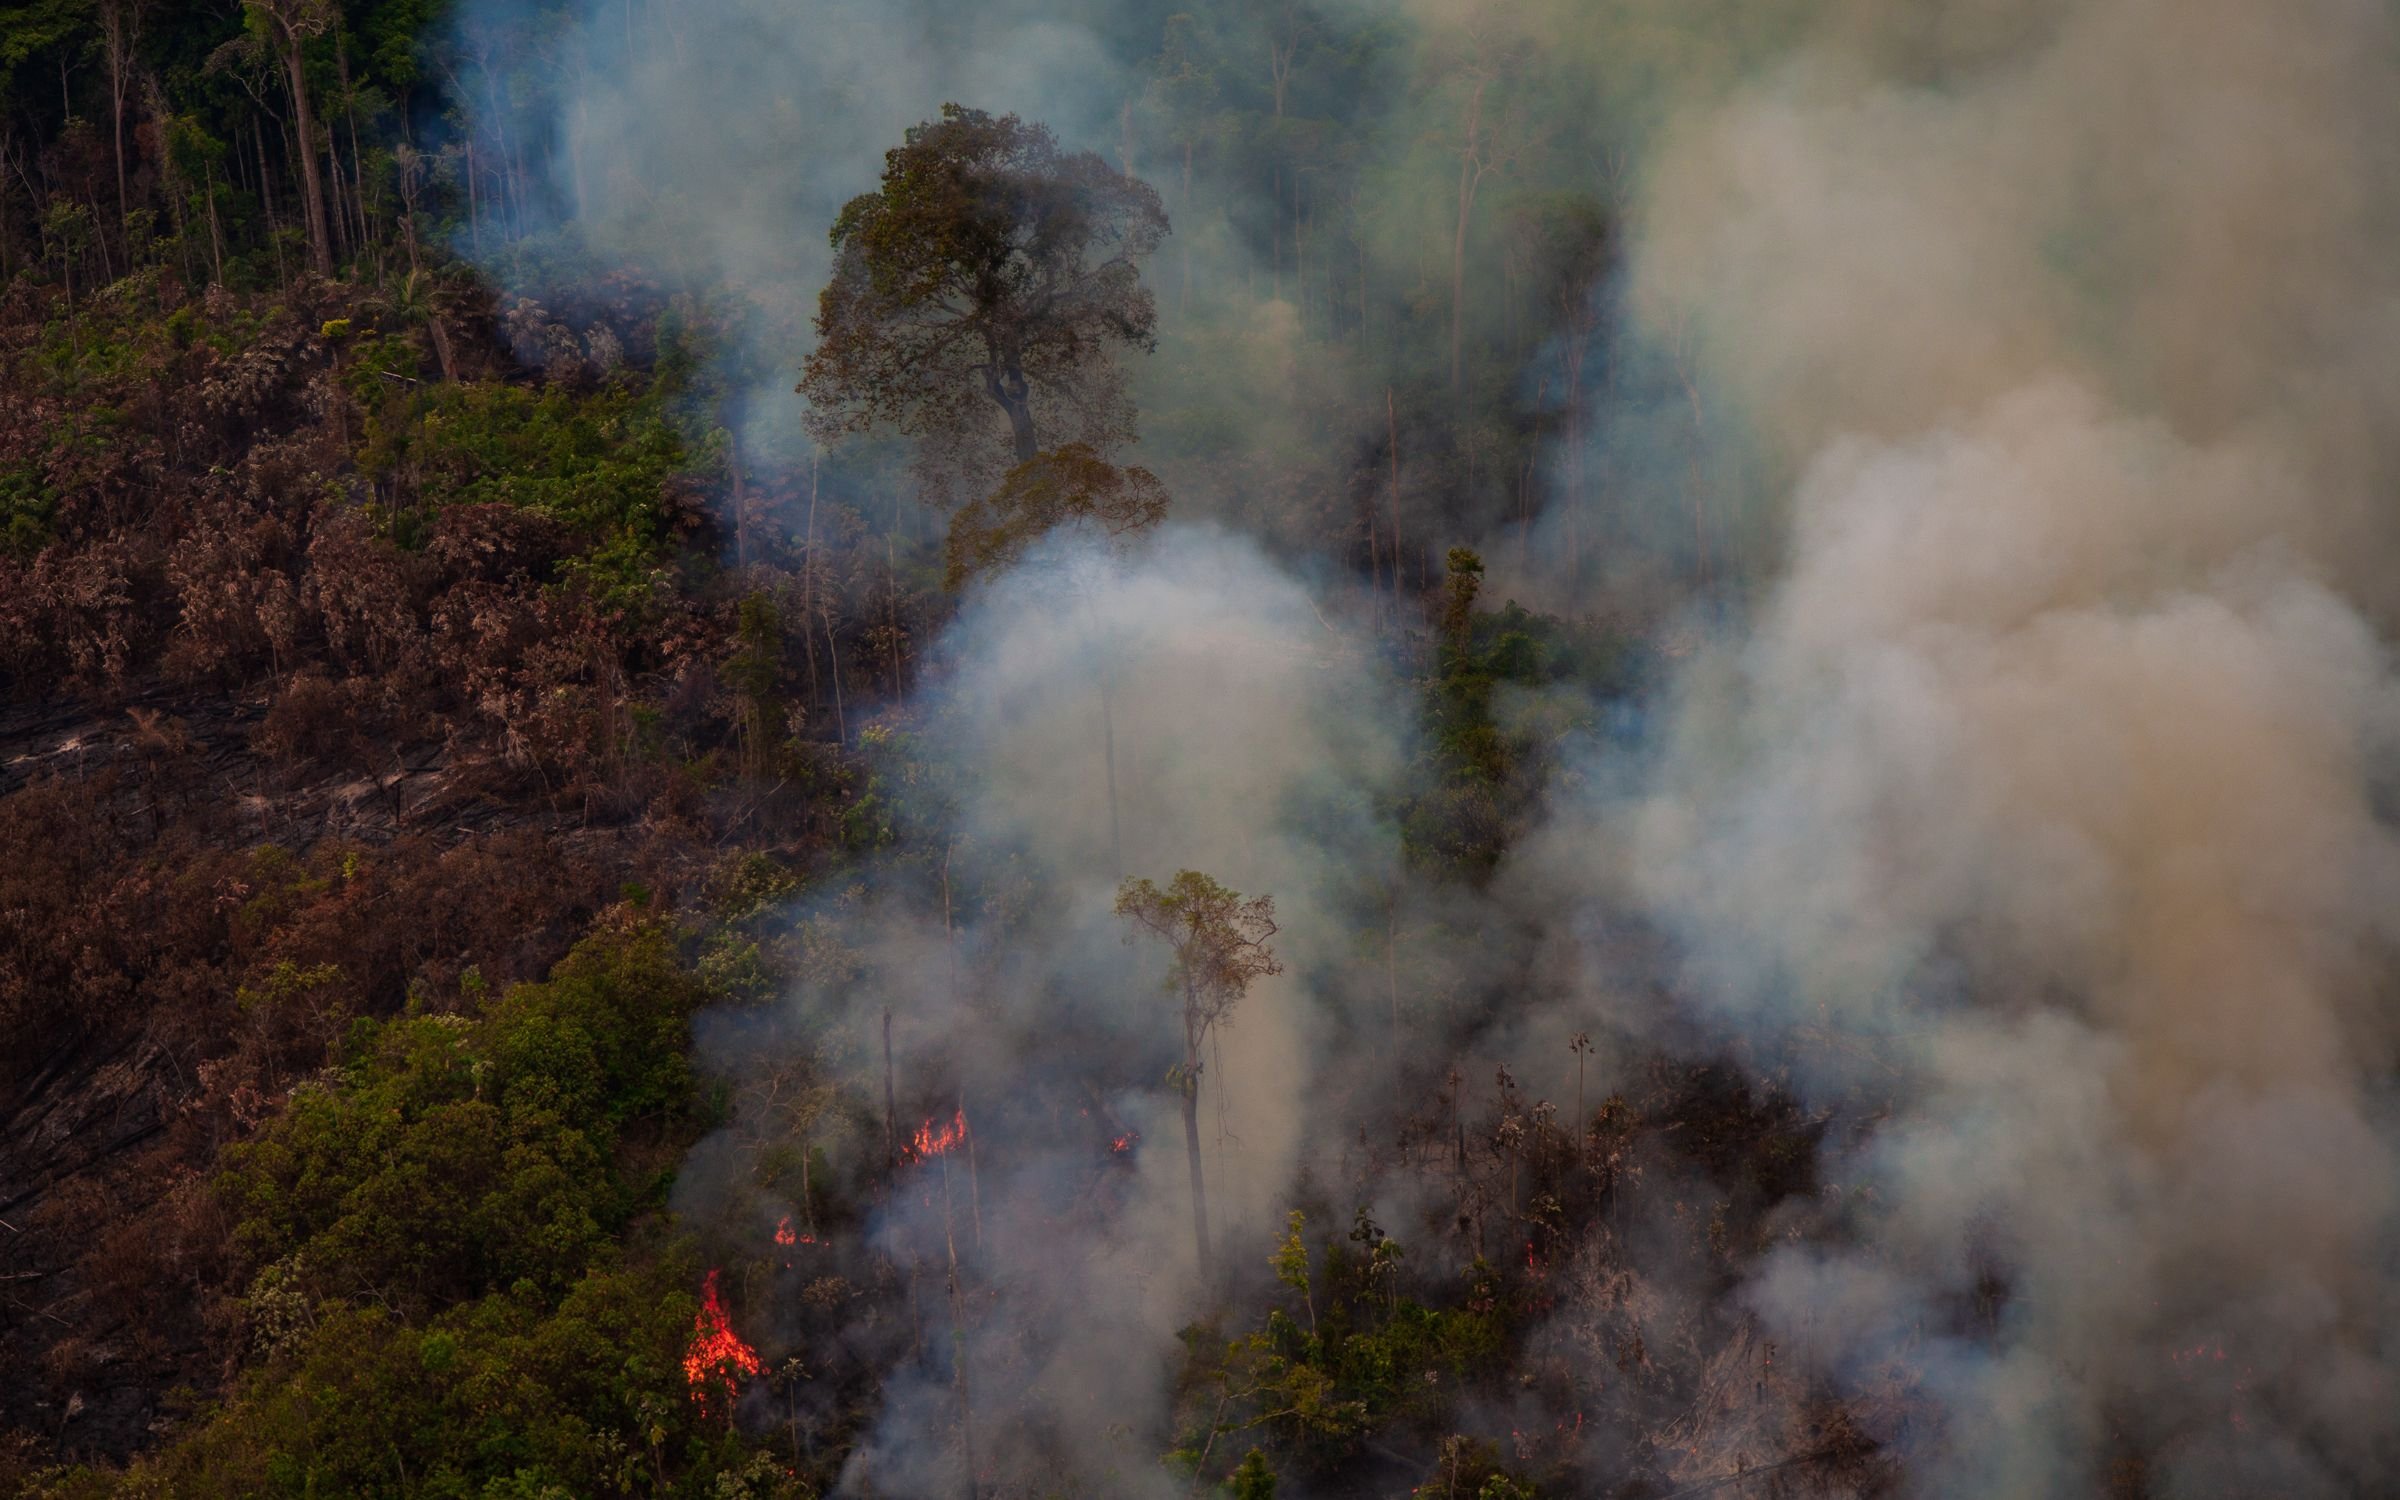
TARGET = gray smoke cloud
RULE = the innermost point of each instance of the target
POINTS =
(1247, 729)
(716, 142)
(2048, 790)
(2036, 814)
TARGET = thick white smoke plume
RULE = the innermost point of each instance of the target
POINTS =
(1246, 731)
(2049, 792)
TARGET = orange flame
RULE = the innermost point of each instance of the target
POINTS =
(1125, 1142)
(717, 1358)
(784, 1233)
(929, 1142)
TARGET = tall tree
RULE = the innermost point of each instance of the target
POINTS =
(990, 266)
(1217, 944)
(1483, 60)
(120, 32)
(287, 26)
(1282, 24)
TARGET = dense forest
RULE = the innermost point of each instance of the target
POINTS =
(1081, 748)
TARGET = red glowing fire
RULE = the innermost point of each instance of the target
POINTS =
(787, 1236)
(1125, 1143)
(929, 1142)
(717, 1359)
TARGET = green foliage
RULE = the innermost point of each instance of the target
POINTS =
(1216, 942)
(1291, 1255)
(912, 788)
(1509, 685)
(375, 363)
(451, 1295)
(989, 266)
(27, 505)
(510, 1394)
(758, 665)
(749, 886)
(455, 1156)
(1462, 581)
(596, 462)
(1253, 1480)
(1367, 1359)
(1471, 1466)
(1068, 485)
(746, 902)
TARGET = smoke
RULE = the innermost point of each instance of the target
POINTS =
(1243, 734)
(709, 146)
(2037, 813)
(2049, 787)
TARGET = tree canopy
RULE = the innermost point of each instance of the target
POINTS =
(1071, 484)
(1217, 944)
(1217, 939)
(990, 267)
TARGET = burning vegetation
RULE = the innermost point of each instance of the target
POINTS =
(935, 1139)
(1635, 750)
(717, 1361)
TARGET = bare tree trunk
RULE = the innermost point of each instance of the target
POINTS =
(891, 603)
(441, 345)
(958, 1337)
(974, 1182)
(320, 237)
(120, 43)
(7, 245)
(1108, 739)
(337, 208)
(358, 169)
(266, 198)
(1108, 753)
(741, 503)
(833, 657)
(1191, 1150)
(1020, 424)
(891, 1105)
(1391, 414)
(216, 240)
(108, 267)
(808, 581)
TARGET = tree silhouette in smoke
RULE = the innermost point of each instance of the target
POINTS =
(1218, 944)
(990, 266)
